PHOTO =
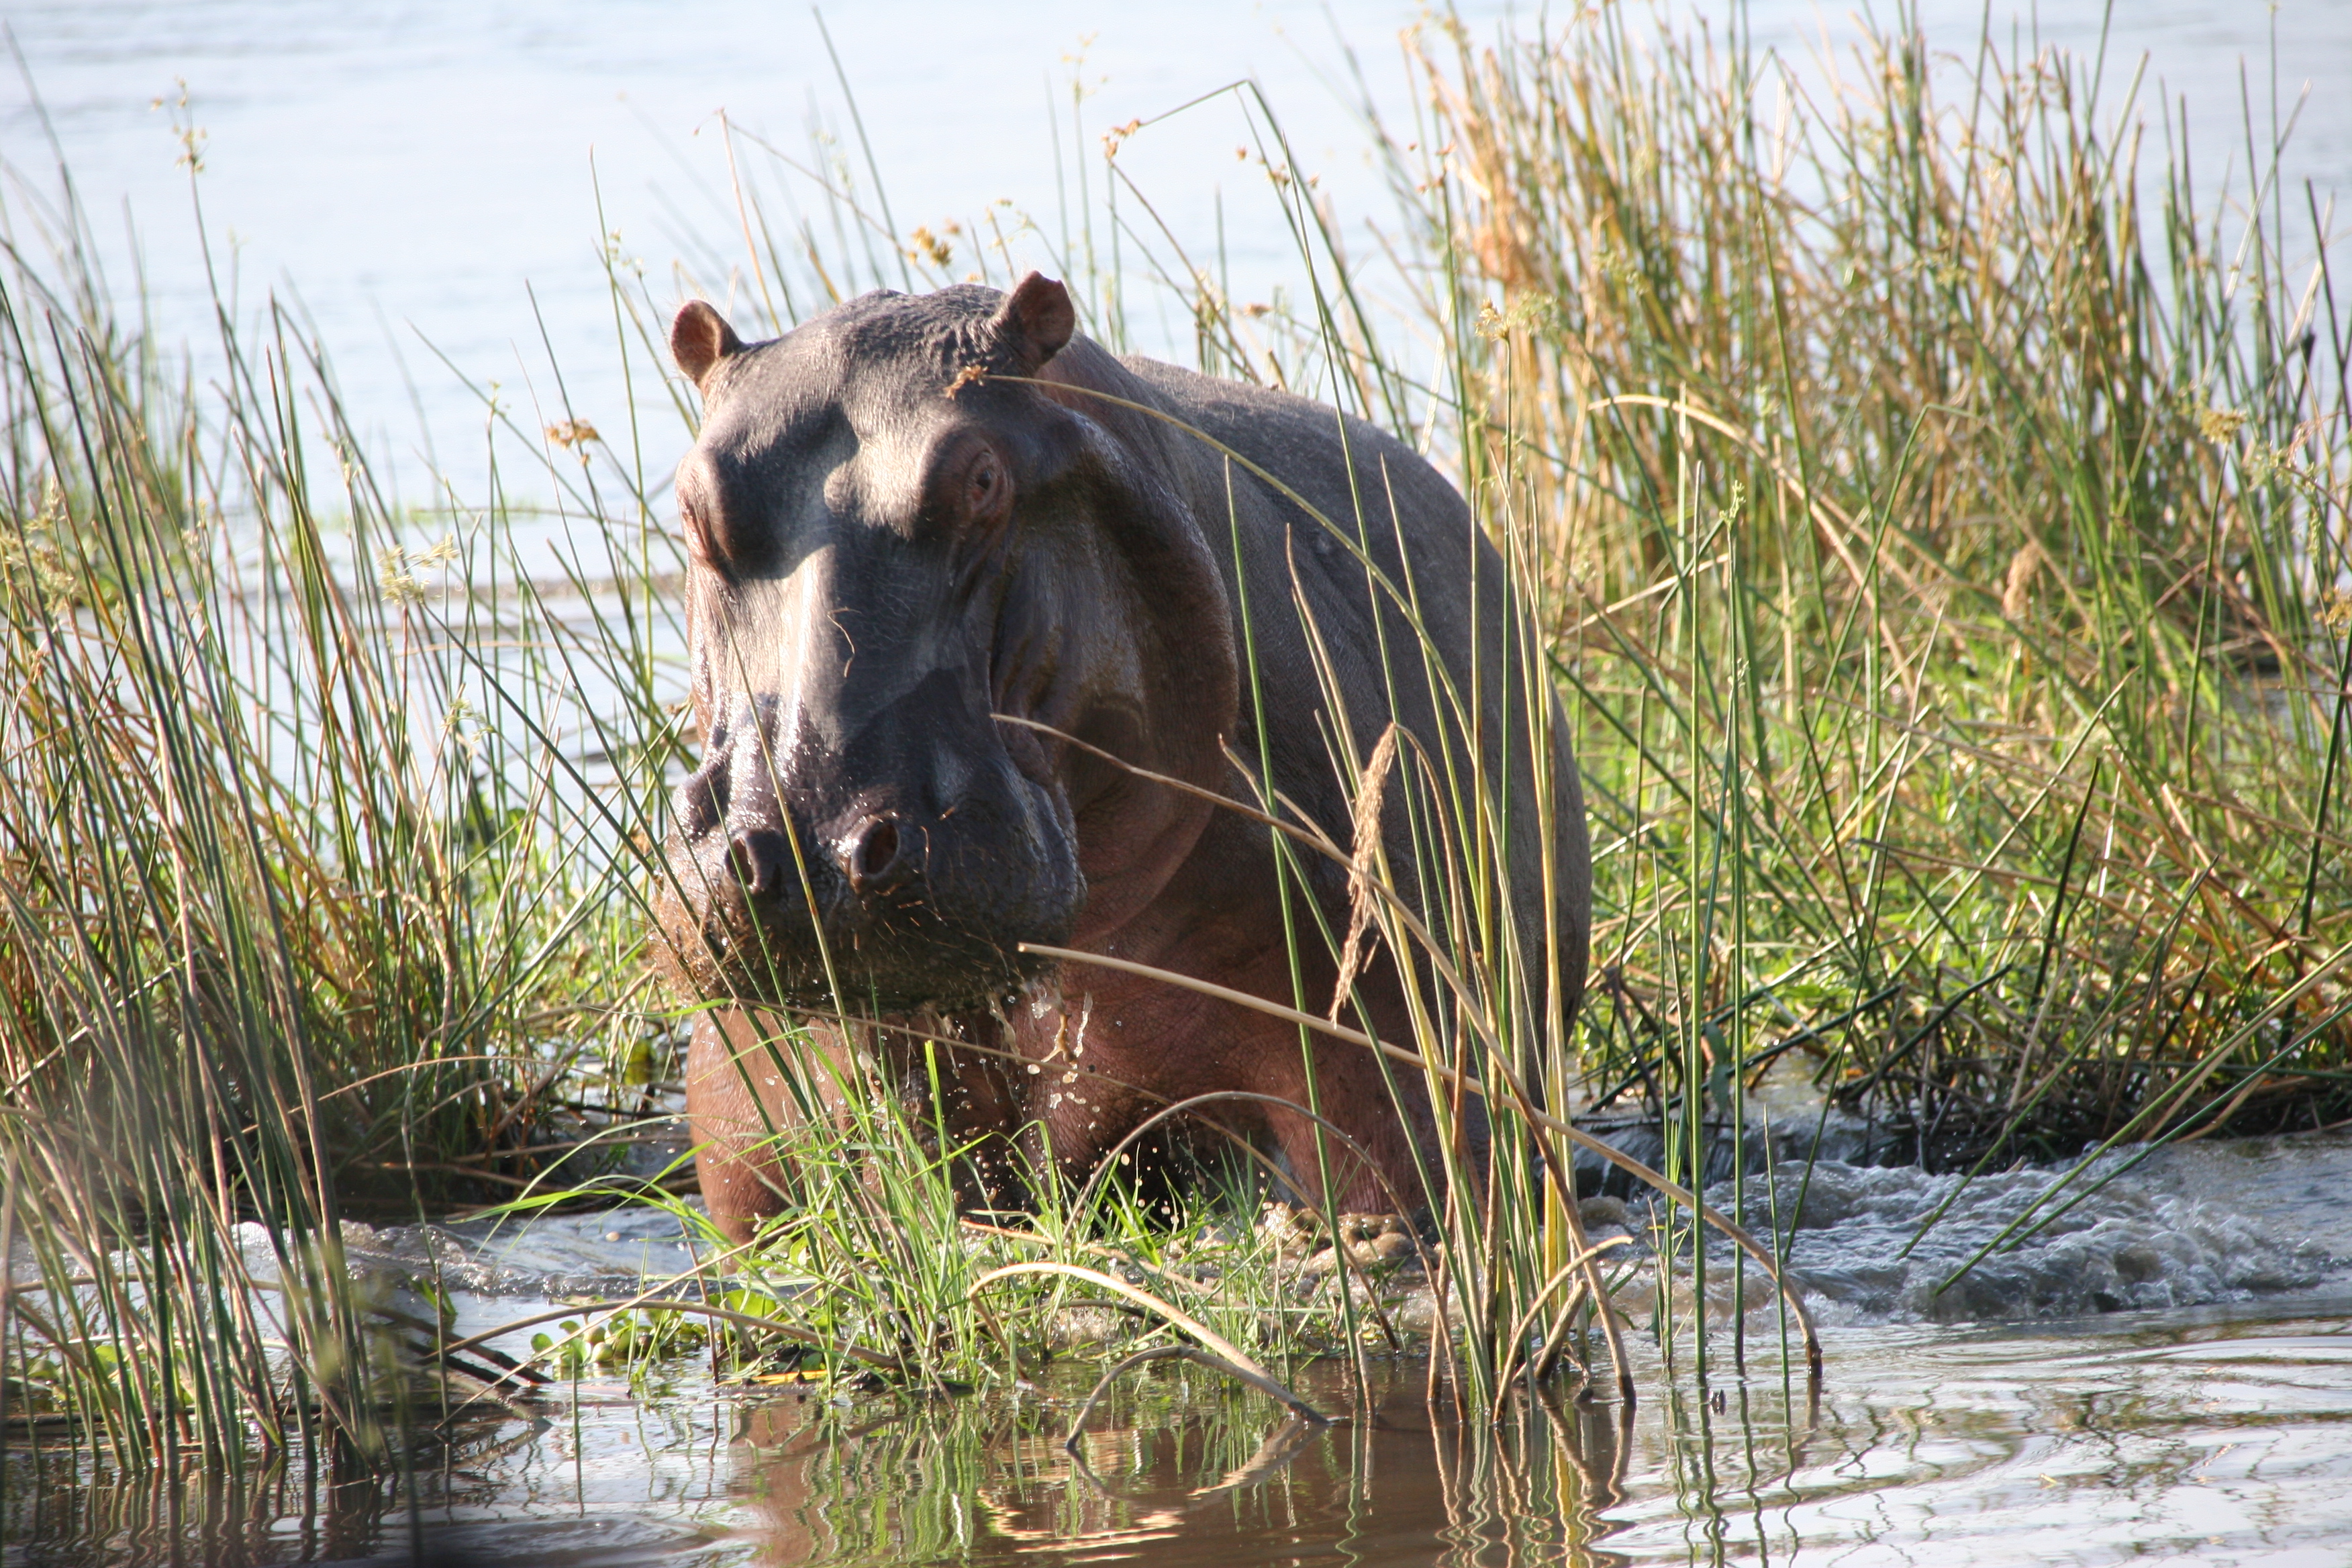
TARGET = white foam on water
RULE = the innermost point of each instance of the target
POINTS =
(2188, 1225)
(2133, 1230)
(607, 1252)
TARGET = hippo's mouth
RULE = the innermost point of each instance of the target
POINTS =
(732, 955)
(940, 927)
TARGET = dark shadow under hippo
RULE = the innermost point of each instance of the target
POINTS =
(957, 575)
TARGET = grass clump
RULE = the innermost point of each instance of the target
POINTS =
(1942, 521)
(305, 876)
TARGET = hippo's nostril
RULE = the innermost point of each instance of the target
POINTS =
(760, 859)
(871, 853)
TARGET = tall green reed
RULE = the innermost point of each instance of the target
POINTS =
(306, 874)
(1946, 557)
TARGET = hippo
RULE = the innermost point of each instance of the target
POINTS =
(985, 624)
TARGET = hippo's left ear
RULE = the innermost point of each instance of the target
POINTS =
(699, 338)
(1035, 320)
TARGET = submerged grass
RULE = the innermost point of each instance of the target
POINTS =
(1941, 563)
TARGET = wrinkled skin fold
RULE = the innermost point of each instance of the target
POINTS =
(916, 520)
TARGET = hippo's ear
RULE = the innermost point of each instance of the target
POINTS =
(699, 338)
(1035, 322)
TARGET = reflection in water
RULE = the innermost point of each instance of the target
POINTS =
(2224, 1440)
(1184, 1469)
(61, 1509)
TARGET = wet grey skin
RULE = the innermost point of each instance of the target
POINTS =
(946, 557)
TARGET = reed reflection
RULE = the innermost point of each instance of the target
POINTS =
(1187, 1469)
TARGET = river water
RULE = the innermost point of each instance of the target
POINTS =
(2164, 1373)
(436, 181)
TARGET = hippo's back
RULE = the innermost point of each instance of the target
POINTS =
(1423, 542)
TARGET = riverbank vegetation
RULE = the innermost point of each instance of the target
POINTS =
(1931, 505)
(1945, 515)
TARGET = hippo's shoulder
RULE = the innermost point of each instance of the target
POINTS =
(1217, 403)
(1304, 443)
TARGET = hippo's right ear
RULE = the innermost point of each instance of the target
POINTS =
(1035, 323)
(699, 338)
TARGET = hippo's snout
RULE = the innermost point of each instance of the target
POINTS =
(786, 881)
(836, 876)
(872, 859)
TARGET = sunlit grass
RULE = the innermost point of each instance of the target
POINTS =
(1945, 551)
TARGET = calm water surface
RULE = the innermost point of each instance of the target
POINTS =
(436, 180)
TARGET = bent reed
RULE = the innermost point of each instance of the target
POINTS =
(1940, 557)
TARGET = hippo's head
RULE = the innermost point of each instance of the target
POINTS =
(895, 554)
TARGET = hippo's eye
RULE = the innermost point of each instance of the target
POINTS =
(698, 541)
(985, 486)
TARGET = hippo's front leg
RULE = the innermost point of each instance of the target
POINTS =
(753, 1081)
(737, 1106)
